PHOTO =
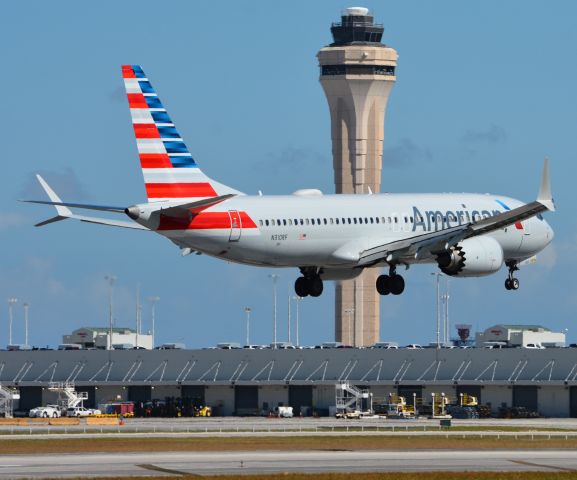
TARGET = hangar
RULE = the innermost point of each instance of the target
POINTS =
(248, 382)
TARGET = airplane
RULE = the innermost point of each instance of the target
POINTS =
(327, 237)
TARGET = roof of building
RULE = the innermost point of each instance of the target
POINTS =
(523, 327)
(107, 330)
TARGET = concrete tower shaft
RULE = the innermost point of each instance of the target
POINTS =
(357, 75)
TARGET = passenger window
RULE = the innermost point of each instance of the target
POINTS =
(325, 220)
(376, 219)
(290, 221)
(312, 221)
(355, 220)
(337, 220)
(307, 221)
(332, 221)
(350, 220)
(266, 222)
(296, 221)
(278, 222)
(389, 219)
(302, 221)
(366, 220)
(411, 219)
(396, 220)
(318, 221)
(260, 222)
(284, 222)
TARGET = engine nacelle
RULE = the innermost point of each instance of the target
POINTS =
(474, 257)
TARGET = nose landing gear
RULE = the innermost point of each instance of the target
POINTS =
(392, 283)
(309, 284)
(512, 283)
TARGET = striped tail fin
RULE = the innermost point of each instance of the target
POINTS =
(170, 173)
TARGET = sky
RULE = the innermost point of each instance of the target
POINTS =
(485, 91)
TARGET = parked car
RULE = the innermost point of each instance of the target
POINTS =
(534, 346)
(82, 412)
(413, 346)
(49, 411)
(386, 345)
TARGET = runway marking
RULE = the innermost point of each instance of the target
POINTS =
(156, 468)
(531, 464)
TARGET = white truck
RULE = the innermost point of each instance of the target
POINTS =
(49, 411)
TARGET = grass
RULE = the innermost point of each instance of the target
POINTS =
(101, 445)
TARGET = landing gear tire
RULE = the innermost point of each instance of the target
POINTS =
(315, 286)
(512, 283)
(397, 284)
(301, 287)
(305, 286)
(383, 285)
(393, 284)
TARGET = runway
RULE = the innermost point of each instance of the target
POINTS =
(267, 462)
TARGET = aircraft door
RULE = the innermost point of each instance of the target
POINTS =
(235, 226)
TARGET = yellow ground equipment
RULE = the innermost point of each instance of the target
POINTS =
(467, 400)
(397, 407)
(203, 412)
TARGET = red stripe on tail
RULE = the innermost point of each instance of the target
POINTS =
(155, 160)
(127, 72)
(179, 190)
(136, 100)
(146, 130)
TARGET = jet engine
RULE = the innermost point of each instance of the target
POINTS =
(474, 257)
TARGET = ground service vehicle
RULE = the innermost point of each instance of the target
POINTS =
(49, 411)
(81, 412)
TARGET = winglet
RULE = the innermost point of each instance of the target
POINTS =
(62, 211)
(545, 198)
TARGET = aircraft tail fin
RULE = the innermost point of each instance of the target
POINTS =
(170, 172)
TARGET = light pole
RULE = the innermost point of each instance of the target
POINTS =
(153, 301)
(297, 299)
(274, 278)
(438, 311)
(447, 323)
(11, 302)
(247, 310)
(349, 312)
(289, 319)
(26, 306)
(111, 280)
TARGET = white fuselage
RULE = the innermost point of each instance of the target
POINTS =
(329, 230)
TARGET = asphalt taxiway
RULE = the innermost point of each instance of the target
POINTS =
(267, 462)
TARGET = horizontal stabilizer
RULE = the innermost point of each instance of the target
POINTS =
(57, 218)
(84, 206)
(64, 212)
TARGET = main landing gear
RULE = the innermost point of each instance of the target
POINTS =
(309, 284)
(392, 283)
(512, 283)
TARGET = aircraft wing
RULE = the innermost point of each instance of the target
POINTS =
(429, 244)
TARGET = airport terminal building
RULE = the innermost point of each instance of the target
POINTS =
(250, 382)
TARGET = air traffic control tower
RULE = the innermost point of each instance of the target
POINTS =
(357, 74)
